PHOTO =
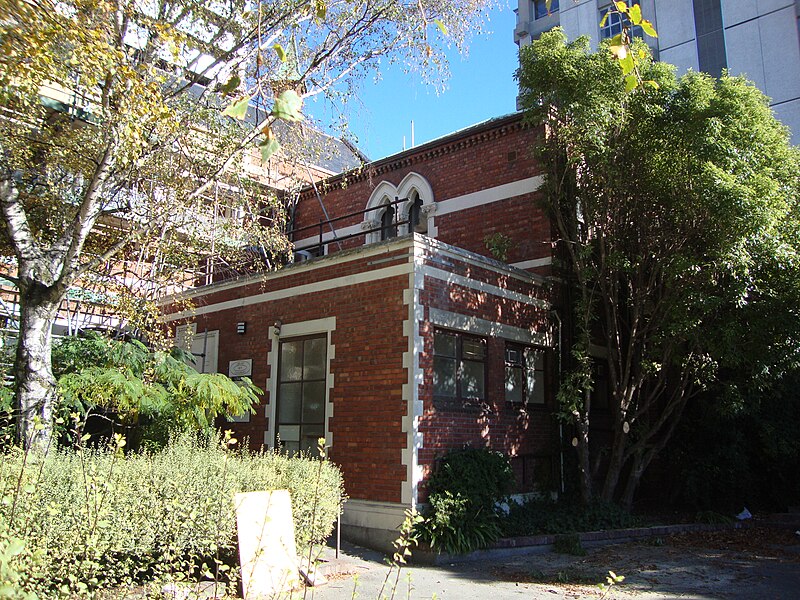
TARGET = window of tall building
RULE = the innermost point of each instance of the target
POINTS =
(540, 8)
(613, 24)
(711, 55)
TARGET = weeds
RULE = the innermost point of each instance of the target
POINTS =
(612, 580)
(402, 550)
(92, 518)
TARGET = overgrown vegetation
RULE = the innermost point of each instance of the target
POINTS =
(541, 516)
(95, 518)
(463, 494)
(734, 450)
(148, 393)
(676, 210)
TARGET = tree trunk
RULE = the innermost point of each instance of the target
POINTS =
(615, 464)
(35, 382)
(635, 476)
(585, 472)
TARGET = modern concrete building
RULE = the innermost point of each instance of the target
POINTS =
(759, 39)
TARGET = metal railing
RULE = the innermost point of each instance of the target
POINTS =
(317, 248)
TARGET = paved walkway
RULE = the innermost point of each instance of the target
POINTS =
(653, 572)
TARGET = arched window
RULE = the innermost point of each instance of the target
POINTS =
(388, 224)
(415, 212)
(417, 223)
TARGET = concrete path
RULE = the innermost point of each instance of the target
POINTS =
(654, 571)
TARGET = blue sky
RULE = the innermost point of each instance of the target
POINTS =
(481, 86)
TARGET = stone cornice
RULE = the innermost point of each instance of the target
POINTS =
(453, 142)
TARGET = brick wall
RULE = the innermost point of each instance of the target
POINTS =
(366, 289)
(524, 433)
(465, 163)
(367, 368)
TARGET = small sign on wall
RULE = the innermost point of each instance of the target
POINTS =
(237, 369)
(240, 368)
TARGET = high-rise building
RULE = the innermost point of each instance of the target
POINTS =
(759, 39)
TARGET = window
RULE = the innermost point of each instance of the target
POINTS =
(388, 225)
(459, 366)
(302, 382)
(416, 222)
(540, 8)
(711, 54)
(613, 24)
(524, 375)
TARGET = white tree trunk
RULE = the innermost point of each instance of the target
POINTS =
(35, 382)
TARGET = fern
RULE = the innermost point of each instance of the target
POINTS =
(98, 374)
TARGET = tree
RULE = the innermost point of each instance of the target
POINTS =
(123, 161)
(153, 393)
(676, 209)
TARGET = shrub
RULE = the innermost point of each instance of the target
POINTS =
(463, 494)
(568, 543)
(541, 516)
(95, 518)
(152, 390)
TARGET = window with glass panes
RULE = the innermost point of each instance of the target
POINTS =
(459, 365)
(540, 8)
(302, 380)
(524, 376)
(388, 224)
(613, 24)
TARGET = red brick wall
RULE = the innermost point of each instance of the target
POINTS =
(461, 166)
(525, 434)
(367, 368)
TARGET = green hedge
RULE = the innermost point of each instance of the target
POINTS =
(463, 493)
(94, 518)
(542, 516)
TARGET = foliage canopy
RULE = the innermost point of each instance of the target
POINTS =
(136, 139)
(100, 375)
(676, 206)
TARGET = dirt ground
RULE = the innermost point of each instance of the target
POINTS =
(758, 562)
(750, 563)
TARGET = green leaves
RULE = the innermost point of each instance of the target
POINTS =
(280, 52)
(648, 28)
(628, 65)
(268, 146)
(634, 13)
(238, 108)
(287, 106)
(620, 44)
(669, 205)
(231, 85)
(320, 9)
(440, 26)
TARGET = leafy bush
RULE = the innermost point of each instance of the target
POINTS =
(95, 518)
(463, 494)
(542, 516)
(125, 378)
(738, 448)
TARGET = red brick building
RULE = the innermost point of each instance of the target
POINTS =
(401, 338)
